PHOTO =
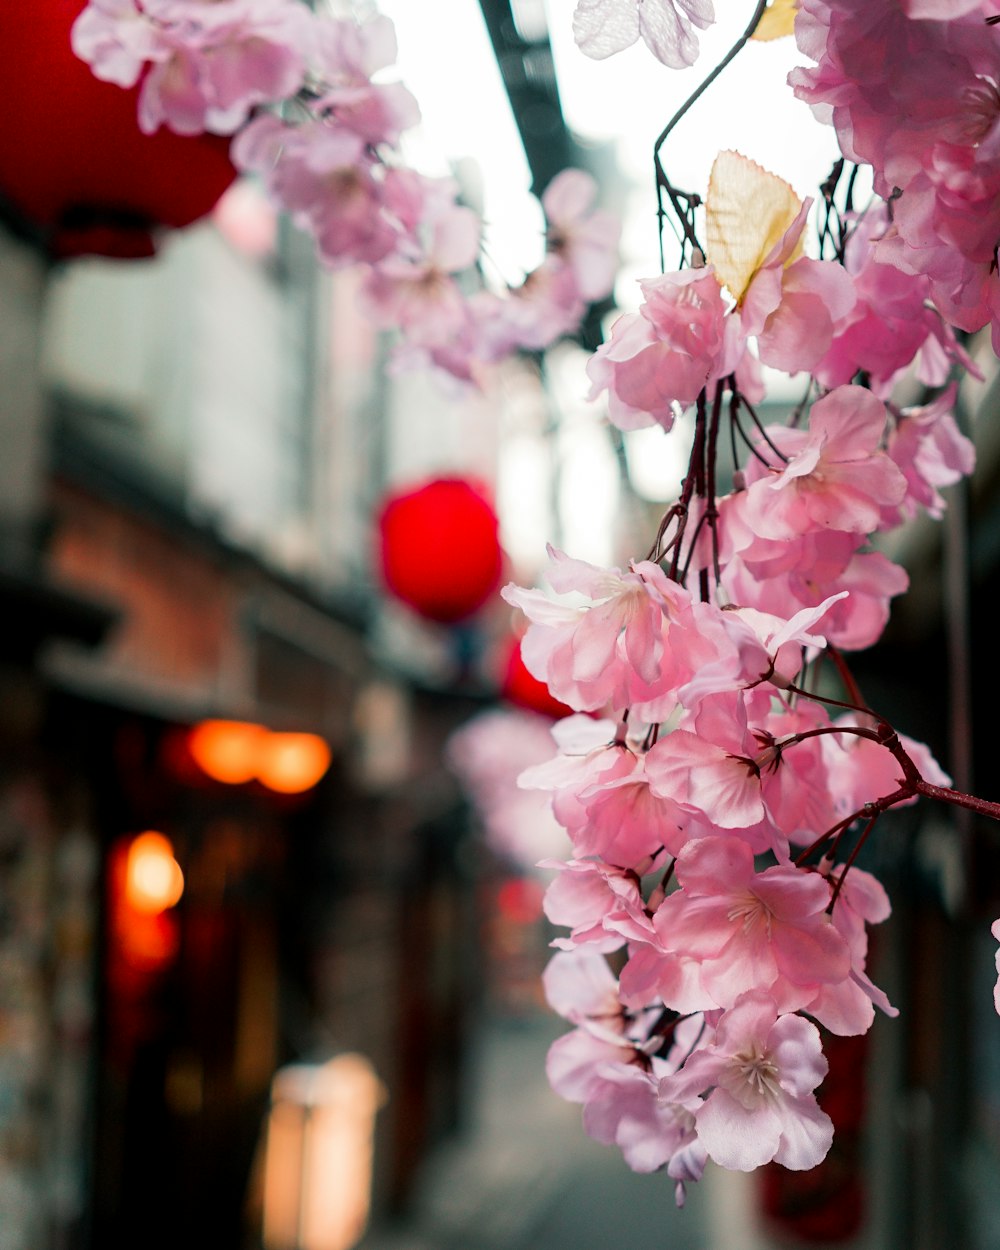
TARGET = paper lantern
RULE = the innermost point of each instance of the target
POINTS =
(518, 686)
(76, 174)
(440, 550)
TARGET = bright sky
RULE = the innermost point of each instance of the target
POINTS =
(626, 100)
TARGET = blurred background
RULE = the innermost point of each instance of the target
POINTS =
(270, 917)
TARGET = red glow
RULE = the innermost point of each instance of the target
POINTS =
(153, 878)
(520, 687)
(440, 550)
(144, 883)
(227, 750)
(519, 899)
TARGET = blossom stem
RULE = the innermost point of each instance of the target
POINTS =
(711, 505)
(847, 677)
(850, 860)
(694, 479)
(760, 426)
(860, 706)
(663, 183)
(959, 799)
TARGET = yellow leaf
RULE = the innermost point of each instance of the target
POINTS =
(747, 210)
(777, 20)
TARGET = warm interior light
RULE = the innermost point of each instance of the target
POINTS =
(153, 877)
(227, 750)
(318, 1158)
(290, 763)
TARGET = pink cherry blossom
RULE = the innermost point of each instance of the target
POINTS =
(835, 476)
(651, 1131)
(861, 770)
(931, 451)
(600, 904)
(603, 27)
(587, 241)
(604, 801)
(751, 777)
(932, 142)
(759, 1073)
(660, 358)
(347, 55)
(767, 575)
(116, 39)
(626, 644)
(487, 753)
(847, 1008)
(995, 930)
(749, 930)
(793, 307)
(419, 294)
(892, 319)
(214, 62)
(322, 175)
(546, 306)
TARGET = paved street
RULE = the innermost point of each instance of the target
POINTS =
(526, 1177)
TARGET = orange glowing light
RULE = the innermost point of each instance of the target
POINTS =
(291, 763)
(153, 878)
(227, 750)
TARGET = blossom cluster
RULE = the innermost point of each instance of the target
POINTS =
(914, 91)
(715, 798)
(301, 93)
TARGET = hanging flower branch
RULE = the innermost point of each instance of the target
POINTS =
(295, 88)
(718, 817)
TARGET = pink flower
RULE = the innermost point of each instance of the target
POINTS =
(546, 306)
(116, 39)
(626, 641)
(847, 1008)
(587, 241)
(891, 321)
(747, 930)
(792, 307)
(603, 27)
(321, 175)
(418, 294)
(580, 986)
(487, 753)
(772, 577)
(730, 773)
(660, 358)
(835, 476)
(651, 1131)
(347, 55)
(215, 61)
(995, 930)
(601, 905)
(931, 140)
(760, 1071)
(931, 451)
(861, 770)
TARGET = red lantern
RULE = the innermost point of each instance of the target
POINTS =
(518, 686)
(76, 173)
(440, 551)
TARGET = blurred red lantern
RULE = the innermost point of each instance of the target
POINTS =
(440, 550)
(518, 686)
(76, 173)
